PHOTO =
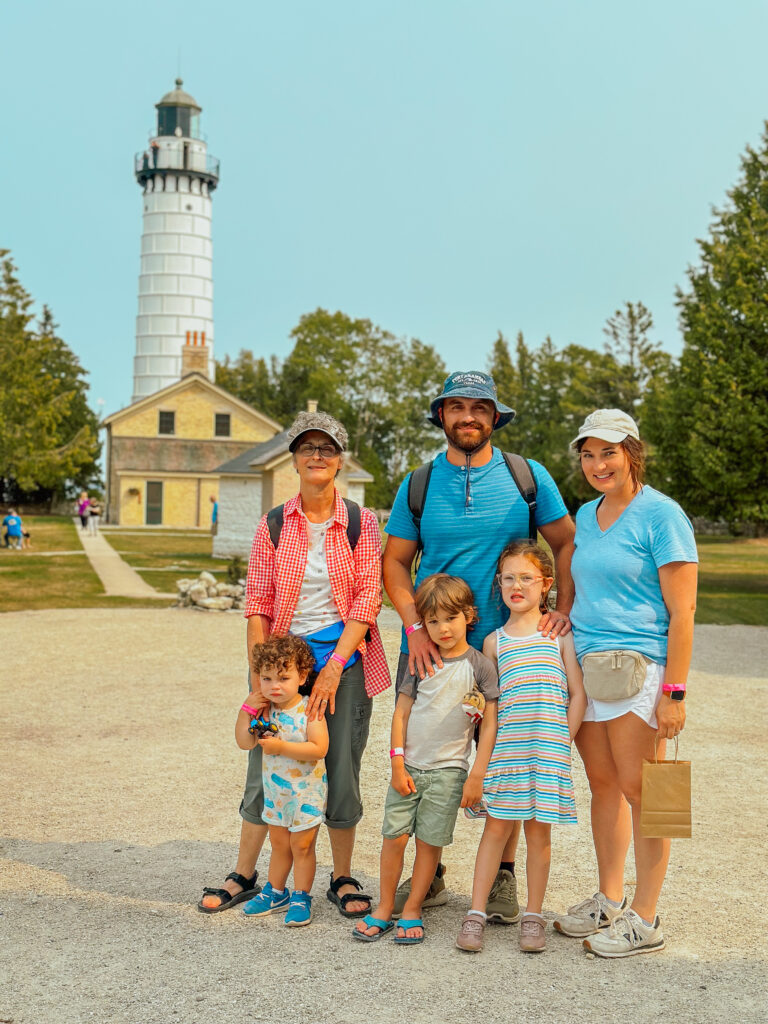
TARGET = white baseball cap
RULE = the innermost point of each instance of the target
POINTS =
(610, 425)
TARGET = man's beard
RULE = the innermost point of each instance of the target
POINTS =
(466, 443)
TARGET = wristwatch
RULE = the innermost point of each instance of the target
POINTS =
(677, 695)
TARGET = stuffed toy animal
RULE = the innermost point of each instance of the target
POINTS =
(474, 705)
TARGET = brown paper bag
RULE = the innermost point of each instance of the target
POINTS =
(665, 800)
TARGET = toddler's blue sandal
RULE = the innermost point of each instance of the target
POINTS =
(372, 922)
(410, 940)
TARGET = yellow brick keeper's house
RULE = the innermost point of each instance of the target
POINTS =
(163, 452)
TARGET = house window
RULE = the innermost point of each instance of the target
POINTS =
(166, 423)
(155, 501)
(223, 427)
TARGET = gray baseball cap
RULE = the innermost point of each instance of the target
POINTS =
(611, 425)
(322, 421)
(471, 384)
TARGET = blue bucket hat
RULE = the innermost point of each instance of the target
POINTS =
(471, 384)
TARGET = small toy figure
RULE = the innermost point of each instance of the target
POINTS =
(262, 727)
(474, 705)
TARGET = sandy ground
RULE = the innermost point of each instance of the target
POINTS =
(120, 788)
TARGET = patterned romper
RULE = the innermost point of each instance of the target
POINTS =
(529, 774)
(295, 792)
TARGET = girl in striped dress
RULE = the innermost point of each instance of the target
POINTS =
(541, 706)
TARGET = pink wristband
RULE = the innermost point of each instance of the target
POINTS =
(413, 628)
(673, 687)
(338, 657)
(397, 752)
(251, 711)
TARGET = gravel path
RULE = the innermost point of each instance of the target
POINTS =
(121, 785)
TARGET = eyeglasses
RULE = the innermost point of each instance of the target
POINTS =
(325, 451)
(509, 579)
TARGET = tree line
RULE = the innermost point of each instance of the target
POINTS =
(704, 415)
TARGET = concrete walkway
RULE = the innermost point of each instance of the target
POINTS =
(117, 577)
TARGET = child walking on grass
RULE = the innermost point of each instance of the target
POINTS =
(541, 706)
(431, 744)
(295, 784)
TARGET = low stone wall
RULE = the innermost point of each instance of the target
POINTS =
(206, 595)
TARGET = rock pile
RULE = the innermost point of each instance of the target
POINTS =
(206, 595)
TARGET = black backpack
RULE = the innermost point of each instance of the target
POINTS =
(275, 523)
(519, 469)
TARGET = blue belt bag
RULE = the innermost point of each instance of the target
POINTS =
(323, 643)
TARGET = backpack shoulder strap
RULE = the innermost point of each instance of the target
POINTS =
(417, 494)
(525, 482)
(353, 525)
(275, 524)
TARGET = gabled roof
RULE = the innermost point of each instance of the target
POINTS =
(182, 385)
(266, 454)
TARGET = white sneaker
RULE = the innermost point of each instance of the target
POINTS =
(627, 935)
(588, 916)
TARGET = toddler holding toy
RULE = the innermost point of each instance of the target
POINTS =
(431, 744)
(541, 706)
(295, 783)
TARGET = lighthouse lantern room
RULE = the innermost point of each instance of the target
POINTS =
(177, 176)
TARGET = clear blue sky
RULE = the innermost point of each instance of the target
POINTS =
(447, 169)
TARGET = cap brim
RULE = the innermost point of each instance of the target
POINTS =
(295, 442)
(611, 436)
(506, 415)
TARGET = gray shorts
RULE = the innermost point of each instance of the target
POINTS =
(429, 813)
(348, 736)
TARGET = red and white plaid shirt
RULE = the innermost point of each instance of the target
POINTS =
(275, 577)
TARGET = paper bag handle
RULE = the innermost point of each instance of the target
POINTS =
(655, 754)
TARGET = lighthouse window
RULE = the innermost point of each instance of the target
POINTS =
(223, 428)
(166, 423)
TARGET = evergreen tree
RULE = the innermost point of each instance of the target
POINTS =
(48, 434)
(716, 412)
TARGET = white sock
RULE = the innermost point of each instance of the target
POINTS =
(532, 913)
(613, 903)
(480, 913)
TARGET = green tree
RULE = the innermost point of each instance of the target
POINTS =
(716, 410)
(252, 380)
(48, 435)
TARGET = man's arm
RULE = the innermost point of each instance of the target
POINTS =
(396, 569)
(559, 535)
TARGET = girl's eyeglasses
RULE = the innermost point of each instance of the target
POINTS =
(325, 451)
(509, 579)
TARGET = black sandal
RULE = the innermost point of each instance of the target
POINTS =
(248, 885)
(349, 897)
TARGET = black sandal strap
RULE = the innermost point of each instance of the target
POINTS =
(350, 897)
(244, 883)
(223, 895)
(344, 880)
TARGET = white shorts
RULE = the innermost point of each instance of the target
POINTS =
(643, 704)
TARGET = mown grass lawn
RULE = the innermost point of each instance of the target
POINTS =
(190, 551)
(733, 581)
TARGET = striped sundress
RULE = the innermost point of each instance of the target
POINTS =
(529, 774)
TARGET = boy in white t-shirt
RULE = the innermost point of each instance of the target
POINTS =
(431, 744)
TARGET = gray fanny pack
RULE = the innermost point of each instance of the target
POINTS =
(614, 675)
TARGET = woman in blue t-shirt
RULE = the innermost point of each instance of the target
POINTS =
(634, 569)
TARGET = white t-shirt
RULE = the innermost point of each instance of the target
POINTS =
(439, 733)
(315, 608)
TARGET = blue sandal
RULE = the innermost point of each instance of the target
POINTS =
(410, 940)
(373, 922)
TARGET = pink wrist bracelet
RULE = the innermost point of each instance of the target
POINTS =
(338, 657)
(250, 710)
(673, 687)
(413, 628)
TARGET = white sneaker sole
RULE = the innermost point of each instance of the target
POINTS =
(656, 947)
(573, 934)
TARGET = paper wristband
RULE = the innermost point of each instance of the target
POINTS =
(338, 657)
(251, 711)
(397, 752)
(413, 628)
(673, 687)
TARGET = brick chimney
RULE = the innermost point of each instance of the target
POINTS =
(194, 355)
(311, 405)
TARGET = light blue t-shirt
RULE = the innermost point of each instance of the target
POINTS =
(465, 538)
(618, 601)
(13, 526)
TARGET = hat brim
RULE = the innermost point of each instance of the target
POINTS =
(295, 442)
(602, 434)
(505, 414)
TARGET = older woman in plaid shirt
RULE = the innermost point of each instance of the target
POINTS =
(313, 584)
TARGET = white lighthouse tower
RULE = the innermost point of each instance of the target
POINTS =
(176, 280)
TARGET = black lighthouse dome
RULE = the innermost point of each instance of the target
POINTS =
(178, 114)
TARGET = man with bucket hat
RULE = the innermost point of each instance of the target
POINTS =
(470, 501)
